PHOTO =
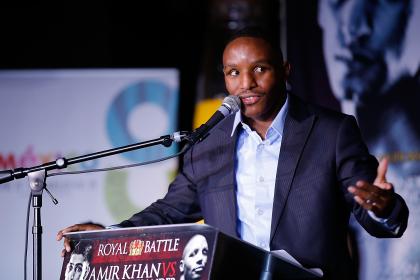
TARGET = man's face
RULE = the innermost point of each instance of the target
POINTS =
(76, 267)
(361, 39)
(194, 257)
(251, 72)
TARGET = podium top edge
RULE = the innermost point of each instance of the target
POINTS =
(141, 230)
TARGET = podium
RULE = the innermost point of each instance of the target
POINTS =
(170, 252)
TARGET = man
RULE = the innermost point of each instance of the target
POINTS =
(194, 258)
(78, 266)
(280, 174)
(371, 49)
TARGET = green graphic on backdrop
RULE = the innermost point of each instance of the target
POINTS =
(116, 195)
(117, 198)
(152, 92)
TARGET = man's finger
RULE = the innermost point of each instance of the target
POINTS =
(363, 203)
(363, 194)
(59, 236)
(67, 245)
(363, 185)
(382, 169)
(61, 233)
(362, 188)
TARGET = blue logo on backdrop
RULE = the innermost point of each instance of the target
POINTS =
(142, 93)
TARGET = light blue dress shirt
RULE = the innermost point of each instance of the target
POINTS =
(256, 169)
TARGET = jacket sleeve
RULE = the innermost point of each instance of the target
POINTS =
(180, 204)
(354, 163)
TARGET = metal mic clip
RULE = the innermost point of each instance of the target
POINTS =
(180, 136)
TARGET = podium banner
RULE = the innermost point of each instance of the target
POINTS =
(169, 252)
(159, 253)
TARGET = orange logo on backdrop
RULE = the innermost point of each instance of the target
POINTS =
(136, 247)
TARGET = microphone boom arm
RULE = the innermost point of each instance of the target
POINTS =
(60, 163)
(37, 176)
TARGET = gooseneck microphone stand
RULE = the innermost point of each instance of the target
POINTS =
(37, 182)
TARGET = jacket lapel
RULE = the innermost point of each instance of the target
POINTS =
(228, 201)
(297, 128)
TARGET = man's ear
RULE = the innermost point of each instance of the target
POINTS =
(181, 266)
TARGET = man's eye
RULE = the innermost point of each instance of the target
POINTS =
(233, 72)
(258, 69)
(193, 253)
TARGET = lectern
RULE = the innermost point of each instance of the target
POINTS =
(169, 252)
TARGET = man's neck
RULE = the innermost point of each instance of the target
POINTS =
(260, 126)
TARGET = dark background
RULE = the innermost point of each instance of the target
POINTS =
(304, 49)
(183, 34)
(120, 34)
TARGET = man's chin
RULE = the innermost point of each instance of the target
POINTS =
(362, 91)
(364, 84)
(196, 274)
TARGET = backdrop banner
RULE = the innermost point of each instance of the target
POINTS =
(46, 114)
(362, 57)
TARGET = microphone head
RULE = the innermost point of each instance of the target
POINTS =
(232, 103)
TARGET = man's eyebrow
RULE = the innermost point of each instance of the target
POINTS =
(263, 61)
(260, 61)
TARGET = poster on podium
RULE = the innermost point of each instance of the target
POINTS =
(156, 252)
(173, 252)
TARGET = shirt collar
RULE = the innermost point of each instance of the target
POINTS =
(277, 124)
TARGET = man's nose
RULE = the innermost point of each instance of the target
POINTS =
(248, 81)
(200, 259)
(355, 24)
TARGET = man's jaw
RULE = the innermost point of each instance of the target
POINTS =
(198, 270)
(365, 72)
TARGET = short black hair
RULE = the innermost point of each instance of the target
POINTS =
(255, 31)
(83, 248)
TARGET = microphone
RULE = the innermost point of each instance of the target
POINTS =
(231, 104)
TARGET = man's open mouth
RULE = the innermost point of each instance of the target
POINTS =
(250, 99)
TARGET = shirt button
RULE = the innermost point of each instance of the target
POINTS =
(260, 211)
(261, 179)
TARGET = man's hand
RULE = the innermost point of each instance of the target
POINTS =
(73, 228)
(377, 197)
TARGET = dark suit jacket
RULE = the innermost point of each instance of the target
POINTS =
(322, 153)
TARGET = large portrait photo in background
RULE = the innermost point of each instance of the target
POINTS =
(364, 61)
